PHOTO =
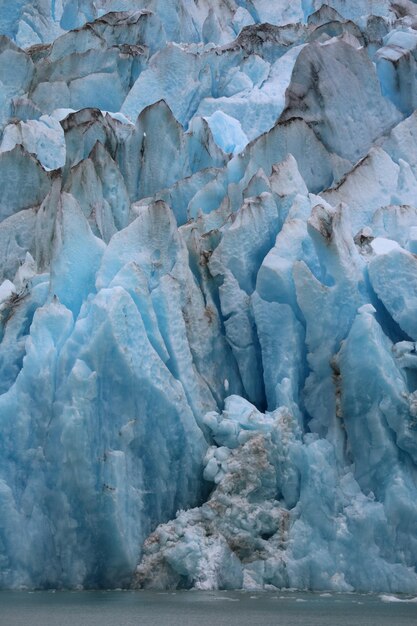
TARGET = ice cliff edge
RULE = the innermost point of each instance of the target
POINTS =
(208, 294)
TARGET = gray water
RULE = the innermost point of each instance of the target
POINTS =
(194, 608)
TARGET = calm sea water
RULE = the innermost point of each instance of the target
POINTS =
(194, 608)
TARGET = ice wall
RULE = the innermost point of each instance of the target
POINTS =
(208, 294)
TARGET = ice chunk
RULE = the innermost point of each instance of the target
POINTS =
(76, 256)
(390, 598)
(227, 132)
(16, 238)
(241, 18)
(336, 121)
(7, 289)
(393, 276)
(43, 137)
(24, 182)
(383, 246)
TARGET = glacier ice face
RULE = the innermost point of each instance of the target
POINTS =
(208, 230)
(261, 522)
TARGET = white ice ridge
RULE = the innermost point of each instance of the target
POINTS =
(208, 294)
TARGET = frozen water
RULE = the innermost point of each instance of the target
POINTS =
(208, 294)
(227, 132)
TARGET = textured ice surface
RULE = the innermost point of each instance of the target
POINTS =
(227, 132)
(208, 294)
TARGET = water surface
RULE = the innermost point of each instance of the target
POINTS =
(194, 608)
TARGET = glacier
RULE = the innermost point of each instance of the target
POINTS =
(208, 294)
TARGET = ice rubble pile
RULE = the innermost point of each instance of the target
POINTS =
(208, 294)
